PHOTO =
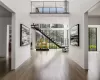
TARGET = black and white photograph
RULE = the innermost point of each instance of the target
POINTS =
(24, 35)
(74, 37)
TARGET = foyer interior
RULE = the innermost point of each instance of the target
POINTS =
(53, 64)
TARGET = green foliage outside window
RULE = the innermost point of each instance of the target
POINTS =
(44, 44)
(92, 46)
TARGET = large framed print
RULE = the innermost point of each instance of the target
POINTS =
(74, 35)
(24, 35)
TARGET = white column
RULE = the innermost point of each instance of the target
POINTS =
(33, 39)
(85, 25)
(65, 35)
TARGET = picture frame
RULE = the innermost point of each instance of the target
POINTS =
(24, 35)
(74, 35)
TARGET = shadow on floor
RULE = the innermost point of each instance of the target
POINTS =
(5, 67)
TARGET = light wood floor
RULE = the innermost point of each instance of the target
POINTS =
(52, 65)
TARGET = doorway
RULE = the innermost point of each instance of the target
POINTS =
(5, 39)
(94, 41)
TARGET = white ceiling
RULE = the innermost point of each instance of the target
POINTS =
(95, 11)
(4, 12)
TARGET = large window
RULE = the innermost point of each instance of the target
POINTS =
(92, 39)
(57, 26)
(54, 32)
(56, 35)
(44, 26)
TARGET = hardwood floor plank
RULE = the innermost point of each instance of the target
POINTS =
(53, 65)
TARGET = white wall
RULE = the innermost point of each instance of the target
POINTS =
(94, 21)
(51, 20)
(21, 9)
(78, 9)
(4, 21)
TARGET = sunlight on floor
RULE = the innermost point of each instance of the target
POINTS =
(44, 57)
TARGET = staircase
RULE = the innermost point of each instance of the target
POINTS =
(52, 40)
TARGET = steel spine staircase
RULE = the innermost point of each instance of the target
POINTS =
(38, 29)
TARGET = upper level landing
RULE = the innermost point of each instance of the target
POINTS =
(49, 8)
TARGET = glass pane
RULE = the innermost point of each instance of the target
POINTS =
(52, 10)
(60, 10)
(57, 26)
(44, 26)
(60, 37)
(46, 10)
(92, 39)
(38, 36)
(40, 10)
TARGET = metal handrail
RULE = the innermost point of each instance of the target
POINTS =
(35, 9)
(66, 40)
(63, 43)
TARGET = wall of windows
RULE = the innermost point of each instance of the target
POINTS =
(92, 39)
(50, 26)
(57, 32)
(56, 35)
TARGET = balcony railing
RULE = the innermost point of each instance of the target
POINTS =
(49, 7)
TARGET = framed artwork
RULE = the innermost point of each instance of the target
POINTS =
(24, 35)
(74, 35)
